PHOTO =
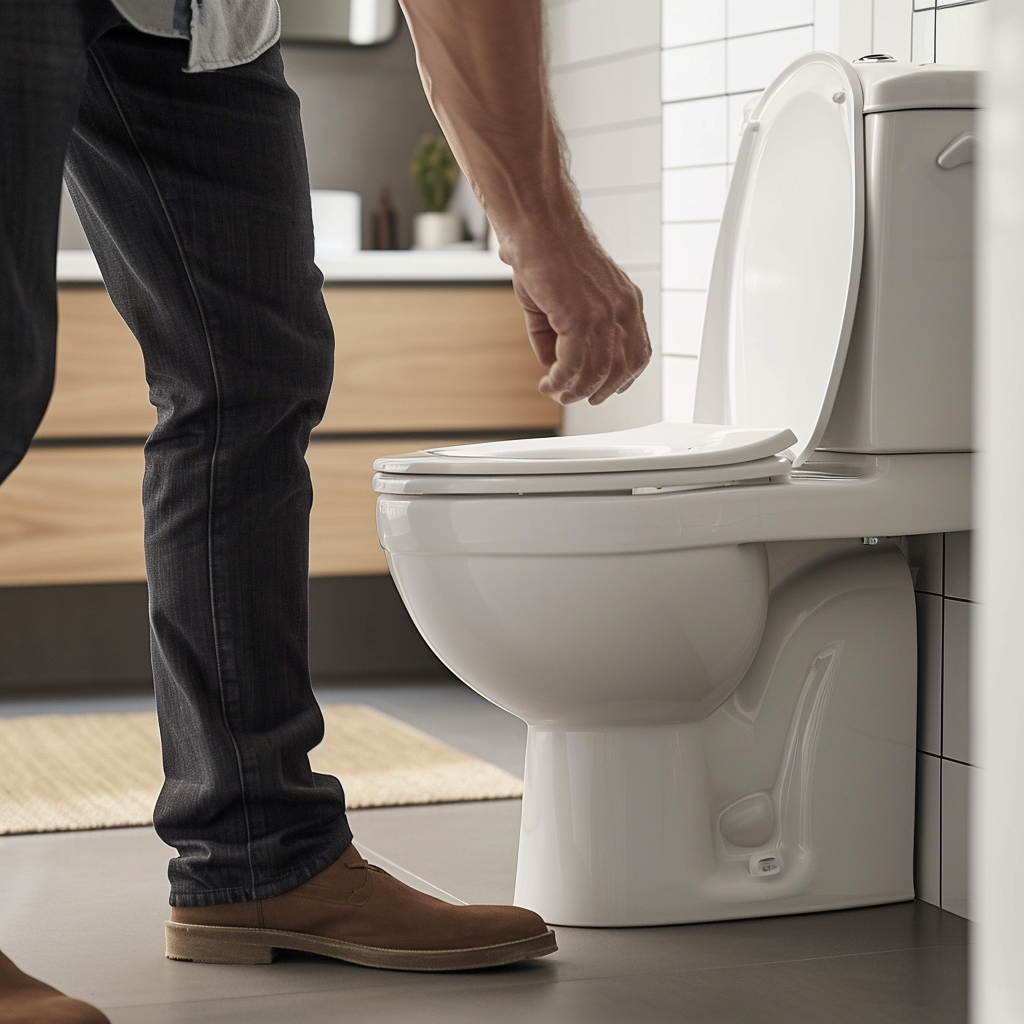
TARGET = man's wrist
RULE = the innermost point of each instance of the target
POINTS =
(536, 234)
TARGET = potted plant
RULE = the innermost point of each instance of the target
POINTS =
(435, 173)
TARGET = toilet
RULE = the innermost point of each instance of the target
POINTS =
(709, 628)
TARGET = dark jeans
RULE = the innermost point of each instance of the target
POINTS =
(193, 190)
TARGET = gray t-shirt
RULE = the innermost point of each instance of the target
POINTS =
(222, 33)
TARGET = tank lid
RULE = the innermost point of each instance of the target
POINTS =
(897, 85)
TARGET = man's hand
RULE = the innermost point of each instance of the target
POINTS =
(482, 65)
(584, 318)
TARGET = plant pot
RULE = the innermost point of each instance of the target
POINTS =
(433, 230)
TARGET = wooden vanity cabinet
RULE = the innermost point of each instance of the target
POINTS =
(415, 365)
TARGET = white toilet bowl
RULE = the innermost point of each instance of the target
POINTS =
(705, 626)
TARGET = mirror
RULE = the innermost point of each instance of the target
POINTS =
(358, 22)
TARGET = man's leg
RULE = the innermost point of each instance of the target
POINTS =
(42, 71)
(194, 194)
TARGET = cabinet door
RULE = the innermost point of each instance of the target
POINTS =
(433, 358)
(100, 388)
(430, 357)
(74, 514)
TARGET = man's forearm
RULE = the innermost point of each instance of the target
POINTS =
(482, 64)
(483, 68)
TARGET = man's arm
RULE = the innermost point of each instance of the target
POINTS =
(483, 69)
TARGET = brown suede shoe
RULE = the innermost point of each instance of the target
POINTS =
(357, 912)
(26, 1000)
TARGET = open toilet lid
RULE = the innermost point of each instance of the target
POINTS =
(786, 272)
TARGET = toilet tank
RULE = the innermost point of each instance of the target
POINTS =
(906, 383)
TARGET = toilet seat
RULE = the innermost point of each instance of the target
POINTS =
(654, 457)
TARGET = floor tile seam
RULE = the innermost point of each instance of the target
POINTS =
(676, 968)
(401, 981)
(813, 959)
(420, 980)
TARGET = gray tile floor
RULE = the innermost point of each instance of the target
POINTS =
(85, 910)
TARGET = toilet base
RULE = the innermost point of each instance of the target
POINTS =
(796, 795)
(617, 832)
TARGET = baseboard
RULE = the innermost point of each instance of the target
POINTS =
(98, 634)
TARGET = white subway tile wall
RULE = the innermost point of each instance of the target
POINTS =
(922, 37)
(956, 791)
(928, 830)
(716, 58)
(753, 61)
(956, 660)
(686, 311)
(687, 252)
(940, 565)
(960, 34)
(891, 29)
(679, 385)
(587, 31)
(929, 672)
(684, 21)
(693, 193)
(690, 72)
(745, 17)
(613, 91)
(694, 133)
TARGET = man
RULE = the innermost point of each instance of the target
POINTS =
(184, 155)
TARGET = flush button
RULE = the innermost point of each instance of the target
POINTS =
(765, 864)
(839, 97)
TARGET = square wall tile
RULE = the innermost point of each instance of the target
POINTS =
(590, 29)
(891, 30)
(956, 797)
(957, 578)
(691, 21)
(856, 21)
(956, 680)
(961, 35)
(693, 193)
(628, 225)
(616, 158)
(744, 17)
(693, 132)
(924, 555)
(827, 22)
(739, 104)
(691, 72)
(687, 254)
(928, 830)
(929, 673)
(682, 322)
(754, 61)
(678, 388)
(922, 40)
(610, 93)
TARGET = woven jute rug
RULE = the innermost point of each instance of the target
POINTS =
(69, 772)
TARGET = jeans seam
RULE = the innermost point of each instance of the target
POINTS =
(213, 458)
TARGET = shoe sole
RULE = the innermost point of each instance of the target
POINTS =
(214, 944)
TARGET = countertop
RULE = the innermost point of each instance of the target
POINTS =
(79, 265)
